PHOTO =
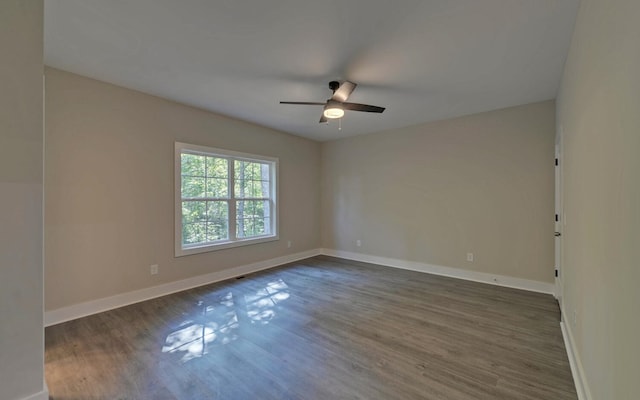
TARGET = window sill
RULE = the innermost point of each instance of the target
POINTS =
(180, 252)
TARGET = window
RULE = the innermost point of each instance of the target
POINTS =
(223, 199)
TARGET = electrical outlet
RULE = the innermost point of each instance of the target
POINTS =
(289, 244)
(358, 242)
(470, 257)
(153, 269)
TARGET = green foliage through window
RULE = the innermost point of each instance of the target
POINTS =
(219, 193)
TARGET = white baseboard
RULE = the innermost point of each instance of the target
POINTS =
(43, 395)
(75, 311)
(80, 310)
(576, 365)
(499, 280)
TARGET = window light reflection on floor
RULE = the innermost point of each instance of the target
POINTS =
(218, 323)
(260, 305)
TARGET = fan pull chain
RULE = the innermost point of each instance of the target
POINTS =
(339, 124)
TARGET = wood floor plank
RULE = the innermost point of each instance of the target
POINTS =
(321, 328)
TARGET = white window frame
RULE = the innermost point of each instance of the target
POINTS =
(233, 241)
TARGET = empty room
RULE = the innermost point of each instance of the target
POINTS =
(319, 200)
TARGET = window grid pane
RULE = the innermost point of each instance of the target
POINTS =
(252, 179)
(192, 165)
(252, 218)
(204, 221)
(204, 176)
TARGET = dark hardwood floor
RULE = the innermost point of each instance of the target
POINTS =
(321, 328)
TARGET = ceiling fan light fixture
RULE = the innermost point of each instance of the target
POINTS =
(335, 107)
(333, 110)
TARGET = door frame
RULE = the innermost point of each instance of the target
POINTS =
(559, 215)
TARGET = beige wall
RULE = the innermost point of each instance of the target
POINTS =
(599, 114)
(431, 193)
(109, 189)
(21, 326)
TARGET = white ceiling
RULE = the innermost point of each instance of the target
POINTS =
(424, 60)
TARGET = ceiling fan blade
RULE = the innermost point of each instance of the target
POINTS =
(344, 91)
(362, 107)
(323, 119)
(303, 103)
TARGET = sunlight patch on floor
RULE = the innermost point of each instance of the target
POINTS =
(218, 323)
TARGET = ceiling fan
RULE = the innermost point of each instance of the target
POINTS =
(337, 104)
